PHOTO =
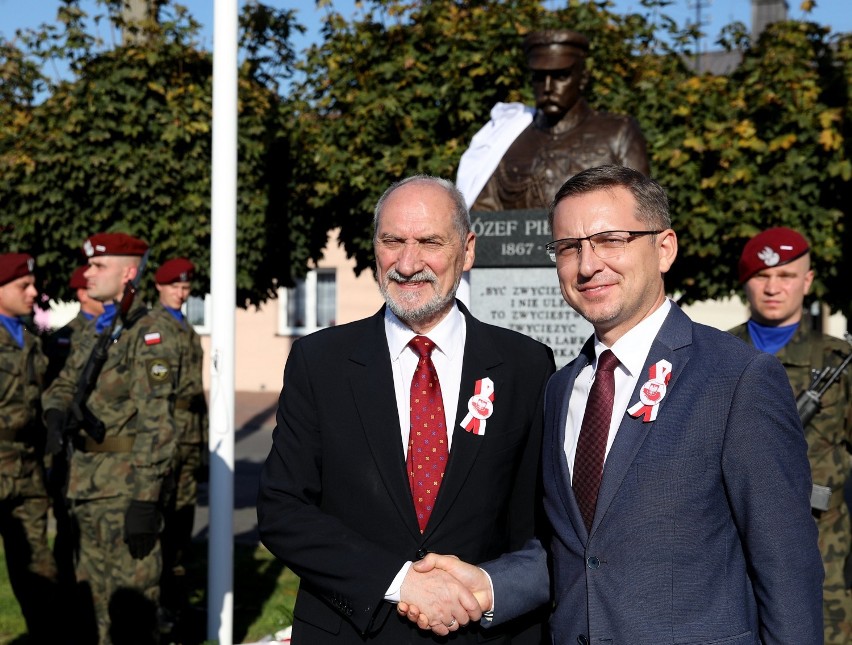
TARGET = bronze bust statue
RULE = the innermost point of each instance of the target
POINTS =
(566, 136)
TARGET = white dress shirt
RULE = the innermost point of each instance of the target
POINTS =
(631, 350)
(449, 337)
(448, 356)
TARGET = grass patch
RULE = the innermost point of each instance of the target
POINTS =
(11, 621)
(264, 595)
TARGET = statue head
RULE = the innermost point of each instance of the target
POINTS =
(557, 60)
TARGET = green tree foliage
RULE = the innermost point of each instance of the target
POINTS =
(403, 86)
(125, 145)
(398, 89)
(765, 146)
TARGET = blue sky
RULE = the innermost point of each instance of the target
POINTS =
(715, 13)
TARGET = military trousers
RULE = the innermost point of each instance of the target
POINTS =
(119, 593)
(179, 516)
(835, 542)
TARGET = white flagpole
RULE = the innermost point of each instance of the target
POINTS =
(223, 235)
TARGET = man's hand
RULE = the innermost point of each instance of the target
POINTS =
(443, 603)
(472, 577)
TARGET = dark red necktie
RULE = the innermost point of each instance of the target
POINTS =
(427, 441)
(591, 445)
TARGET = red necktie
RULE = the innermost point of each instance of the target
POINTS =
(591, 445)
(427, 442)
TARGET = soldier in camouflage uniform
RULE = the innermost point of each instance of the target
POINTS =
(23, 497)
(173, 280)
(57, 347)
(114, 487)
(58, 344)
(776, 275)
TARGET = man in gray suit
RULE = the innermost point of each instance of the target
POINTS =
(676, 480)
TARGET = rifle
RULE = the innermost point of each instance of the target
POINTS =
(809, 402)
(79, 414)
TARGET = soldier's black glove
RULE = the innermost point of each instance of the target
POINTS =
(141, 527)
(54, 420)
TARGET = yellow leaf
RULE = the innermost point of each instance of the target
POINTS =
(784, 142)
(830, 139)
(695, 143)
(827, 117)
(745, 129)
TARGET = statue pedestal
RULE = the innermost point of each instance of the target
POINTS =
(513, 284)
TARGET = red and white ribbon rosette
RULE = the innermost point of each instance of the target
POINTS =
(480, 406)
(652, 391)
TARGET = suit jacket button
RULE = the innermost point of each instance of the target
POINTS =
(421, 553)
(582, 640)
(593, 562)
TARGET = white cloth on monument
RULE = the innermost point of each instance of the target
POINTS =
(488, 146)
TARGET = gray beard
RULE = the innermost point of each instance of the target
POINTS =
(425, 312)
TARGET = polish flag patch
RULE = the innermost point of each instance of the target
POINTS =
(152, 338)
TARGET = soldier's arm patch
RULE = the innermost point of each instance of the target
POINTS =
(158, 370)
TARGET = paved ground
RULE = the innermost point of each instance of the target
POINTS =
(254, 422)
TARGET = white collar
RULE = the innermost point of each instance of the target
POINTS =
(446, 335)
(632, 349)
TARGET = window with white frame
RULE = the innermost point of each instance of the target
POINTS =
(310, 305)
(197, 312)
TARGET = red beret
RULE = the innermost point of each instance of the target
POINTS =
(113, 244)
(77, 280)
(772, 248)
(14, 266)
(175, 270)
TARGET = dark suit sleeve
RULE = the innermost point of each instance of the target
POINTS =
(348, 570)
(520, 578)
(528, 520)
(767, 480)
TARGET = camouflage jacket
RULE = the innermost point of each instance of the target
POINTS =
(134, 398)
(21, 433)
(57, 345)
(190, 405)
(829, 433)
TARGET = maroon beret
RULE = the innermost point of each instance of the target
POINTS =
(772, 248)
(114, 244)
(14, 266)
(77, 280)
(175, 270)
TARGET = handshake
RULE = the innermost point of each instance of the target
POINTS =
(441, 593)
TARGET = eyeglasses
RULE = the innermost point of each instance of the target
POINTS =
(608, 244)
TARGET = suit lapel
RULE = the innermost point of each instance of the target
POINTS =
(481, 359)
(675, 334)
(375, 403)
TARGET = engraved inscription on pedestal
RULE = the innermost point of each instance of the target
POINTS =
(529, 300)
(511, 238)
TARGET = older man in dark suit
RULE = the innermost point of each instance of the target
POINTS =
(676, 480)
(368, 472)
